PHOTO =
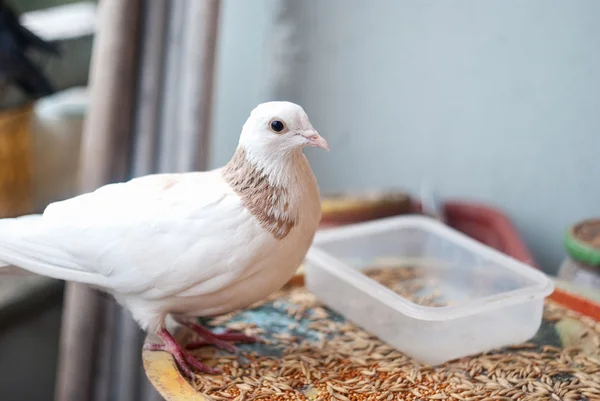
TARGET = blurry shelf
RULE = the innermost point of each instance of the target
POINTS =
(62, 22)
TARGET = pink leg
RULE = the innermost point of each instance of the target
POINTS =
(182, 357)
(210, 338)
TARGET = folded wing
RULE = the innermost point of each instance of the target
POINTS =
(129, 237)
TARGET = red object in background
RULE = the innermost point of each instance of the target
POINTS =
(483, 223)
(487, 225)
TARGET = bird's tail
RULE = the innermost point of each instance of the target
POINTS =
(26, 248)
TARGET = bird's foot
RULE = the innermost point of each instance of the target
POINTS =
(218, 340)
(184, 360)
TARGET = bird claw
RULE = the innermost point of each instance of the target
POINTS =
(201, 367)
(218, 340)
(183, 359)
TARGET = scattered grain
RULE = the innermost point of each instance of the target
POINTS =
(349, 364)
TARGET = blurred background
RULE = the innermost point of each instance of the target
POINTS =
(493, 102)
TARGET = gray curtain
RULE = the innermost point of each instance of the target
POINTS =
(151, 94)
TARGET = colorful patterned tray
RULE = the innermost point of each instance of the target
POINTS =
(312, 353)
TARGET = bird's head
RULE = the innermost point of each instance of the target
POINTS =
(278, 129)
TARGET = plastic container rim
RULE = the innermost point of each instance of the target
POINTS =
(543, 287)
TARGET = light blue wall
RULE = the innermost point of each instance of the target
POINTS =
(497, 101)
(241, 78)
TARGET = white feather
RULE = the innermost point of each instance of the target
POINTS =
(175, 243)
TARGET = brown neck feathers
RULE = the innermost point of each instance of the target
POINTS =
(268, 203)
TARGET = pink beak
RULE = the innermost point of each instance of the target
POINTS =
(316, 140)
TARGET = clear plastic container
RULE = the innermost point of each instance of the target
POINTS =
(483, 298)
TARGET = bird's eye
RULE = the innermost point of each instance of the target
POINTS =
(277, 126)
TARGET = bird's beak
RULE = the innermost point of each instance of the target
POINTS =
(316, 140)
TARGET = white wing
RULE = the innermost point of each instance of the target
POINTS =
(129, 237)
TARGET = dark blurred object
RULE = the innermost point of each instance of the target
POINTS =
(15, 65)
(581, 267)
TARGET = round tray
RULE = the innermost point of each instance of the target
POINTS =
(565, 352)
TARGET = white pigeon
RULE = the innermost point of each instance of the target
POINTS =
(186, 245)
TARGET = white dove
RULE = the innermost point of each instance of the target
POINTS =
(186, 245)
